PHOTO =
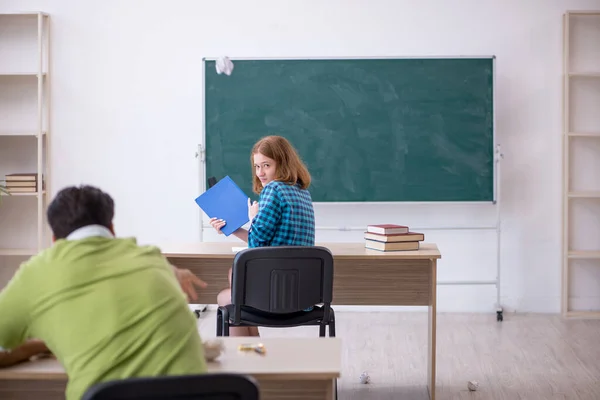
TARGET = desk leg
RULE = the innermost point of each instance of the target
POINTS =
(331, 393)
(432, 329)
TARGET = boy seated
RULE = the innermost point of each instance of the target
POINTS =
(106, 307)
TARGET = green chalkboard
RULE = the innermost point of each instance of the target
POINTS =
(393, 130)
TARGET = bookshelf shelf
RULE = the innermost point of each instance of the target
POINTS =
(26, 13)
(585, 134)
(18, 252)
(581, 161)
(21, 133)
(584, 195)
(23, 194)
(585, 75)
(24, 131)
(584, 255)
(15, 73)
(583, 314)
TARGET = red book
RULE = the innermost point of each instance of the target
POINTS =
(387, 229)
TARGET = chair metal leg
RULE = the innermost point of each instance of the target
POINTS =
(222, 322)
(219, 323)
(226, 326)
(322, 328)
(332, 324)
(225, 322)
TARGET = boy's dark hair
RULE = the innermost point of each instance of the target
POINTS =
(75, 207)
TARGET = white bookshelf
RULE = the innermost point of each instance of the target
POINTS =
(24, 130)
(581, 165)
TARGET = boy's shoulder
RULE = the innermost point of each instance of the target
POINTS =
(64, 249)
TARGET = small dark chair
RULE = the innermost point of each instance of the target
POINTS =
(273, 286)
(217, 386)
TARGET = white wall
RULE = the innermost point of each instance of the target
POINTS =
(126, 83)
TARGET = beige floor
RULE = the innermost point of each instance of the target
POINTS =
(525, 357)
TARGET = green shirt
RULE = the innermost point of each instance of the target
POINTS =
(107, 308)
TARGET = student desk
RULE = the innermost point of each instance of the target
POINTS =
(294, 369)
(361, 277)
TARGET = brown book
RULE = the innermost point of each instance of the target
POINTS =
(13, 184)
(381, 246)
(29, 176)
(21, 189)
(387, 229)
(398, 237)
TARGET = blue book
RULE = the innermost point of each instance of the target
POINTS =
(225, 200)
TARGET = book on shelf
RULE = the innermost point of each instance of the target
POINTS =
(19, 184)
(22, 183)
(21, 177)
(21, 189)
(391, 237)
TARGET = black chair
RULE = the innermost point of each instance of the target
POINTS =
(217, 386)
(274, 286)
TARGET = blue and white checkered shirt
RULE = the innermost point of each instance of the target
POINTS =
(285, 217)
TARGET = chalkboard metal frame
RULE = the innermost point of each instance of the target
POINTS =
(496, 150)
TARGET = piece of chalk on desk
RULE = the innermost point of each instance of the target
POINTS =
(235, 249)
(224, 65)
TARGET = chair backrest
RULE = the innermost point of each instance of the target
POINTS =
(216, 386)
(282, 279)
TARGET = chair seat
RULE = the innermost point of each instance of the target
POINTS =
(252, 316)
(207, 386)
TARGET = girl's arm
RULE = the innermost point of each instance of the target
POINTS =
(241, 234)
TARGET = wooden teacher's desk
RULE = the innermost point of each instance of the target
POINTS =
(293, 369)
(361, 277)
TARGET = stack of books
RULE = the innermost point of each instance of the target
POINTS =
(390, 237)
(21, 183)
